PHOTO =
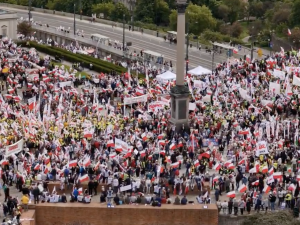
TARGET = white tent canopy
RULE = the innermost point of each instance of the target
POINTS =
(199, 71)
(165, 77)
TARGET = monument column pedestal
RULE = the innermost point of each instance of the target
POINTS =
(180, 93)
(180, 107)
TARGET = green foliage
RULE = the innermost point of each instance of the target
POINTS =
(218, 37)
(281, 217)
(295, 18)
(199, 18)
(105, 8)
(236, 9)
(98, 65)
(25, 28)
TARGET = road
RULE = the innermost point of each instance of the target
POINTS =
(139, 41)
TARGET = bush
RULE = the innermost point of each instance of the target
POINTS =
(281, 217)
(99, 65)
(218, 37)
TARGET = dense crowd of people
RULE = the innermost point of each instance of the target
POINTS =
(242, 137)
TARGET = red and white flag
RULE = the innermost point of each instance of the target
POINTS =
(289, 32)
(84, 178)
(231, 194)
(73, 163)
(196, 163)
(32, 103)
(242, 188)
(217, 166)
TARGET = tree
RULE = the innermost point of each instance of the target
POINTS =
(199, 18)
(295, 37)
(281, 16)
(119, 10)
(105, 8)
(234, 30)
(283, 217)
(236, 9)
(223, 12)
(295, 18)
(24, 28)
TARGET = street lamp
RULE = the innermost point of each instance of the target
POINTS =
(252, 43)
(29, 10)
(74, 21)
(213, 58)
(124, 32)
(187, 44)
(271, 44)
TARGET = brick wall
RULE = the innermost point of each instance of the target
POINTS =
(94, 213)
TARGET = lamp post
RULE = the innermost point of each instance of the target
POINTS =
(213, 58)
(74, 21)
(252, 44)
(80, 8)
(187, 45)
(271, 44)
(124, 32)
(29, 10)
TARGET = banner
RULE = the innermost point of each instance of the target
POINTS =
(66, 83)
(244, 95)
(208, 140)
(198, 84)
(274, 88)
(192, 106)
(262, 148)
(296, 80)
(158, 105)
(125, 188)
(279, 74)
(123, 144)
(132, 100)
(14, 148)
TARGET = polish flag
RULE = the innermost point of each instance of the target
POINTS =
(46, 160)
(242, 161)
(231, 166)
(110, 143)
(180, 144)
(118, 148)
(235, 51)
(87, 162)
(257, 166)
(253, 170)
(266, 189)
(298, 178)
(142, 153)
(255, 183)
(161, 142)
(242, 188)
(264, 169)
(112, 155)
(271, 171)
(206, 154)
(37, 167)
(32, 103)
(144, 137)
(47, 168)
(172, 146)
(216, 179)
(175, 165)
(231, 194)
(80, 191)
(196, 163)
(277, 175)
(163, 152)
(235, 124)
(161, 136)
(227, 163)
(84, 178)
(73, 163)
(289, 32)
(217, 166)
(292, 187)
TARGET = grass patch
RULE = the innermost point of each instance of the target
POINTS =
(245, 32)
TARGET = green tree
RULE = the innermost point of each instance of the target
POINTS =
(105, 8)
(199, 18)
(236, 9)
(295, 18)
(119, 10)
(24, 28)
(223, 12)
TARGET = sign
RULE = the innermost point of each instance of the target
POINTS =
(123, 144)
(158, 105)
(132, 100)
(66, 83)
(274, 88)
(14, 148)
(279, 74)
(125, 188)
(208, 140)
(262, 148)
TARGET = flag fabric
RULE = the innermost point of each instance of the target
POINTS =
(266, 189)
(73, 163)
(84, 178)
(231, 194)
(242, 188)
(196, 163)
(217, 166)
(175, 165)
(110, 143)
(32, 103)
(289, 32)
(264, 169)
(271, 171)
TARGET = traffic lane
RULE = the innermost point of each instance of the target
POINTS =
(169, 51)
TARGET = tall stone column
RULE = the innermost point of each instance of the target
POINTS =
(180, 93)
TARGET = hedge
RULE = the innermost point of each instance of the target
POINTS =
(98, 65)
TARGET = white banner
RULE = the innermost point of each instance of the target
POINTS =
(125, 188)
(198, 83)
(244, 95)
(274, 88)
(132, 100)
(66, 83)
(262, 148)
(270, 179)
(158, 105)
(123, 144)
(14, 148)
(296, 80)
(279, 74)
(192, 106)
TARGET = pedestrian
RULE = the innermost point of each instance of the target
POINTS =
(241, 206)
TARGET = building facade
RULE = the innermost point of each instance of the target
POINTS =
(8, 24)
